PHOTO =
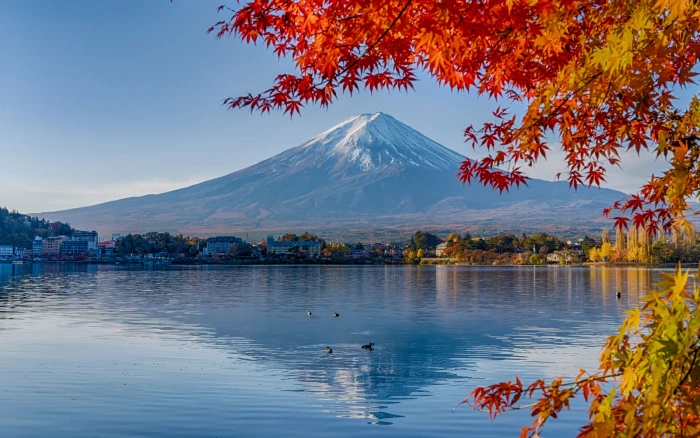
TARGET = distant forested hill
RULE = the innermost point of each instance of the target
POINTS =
(19, 229)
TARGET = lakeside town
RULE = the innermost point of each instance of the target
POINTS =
(633, 246)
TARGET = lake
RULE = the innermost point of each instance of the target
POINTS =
(105, 351)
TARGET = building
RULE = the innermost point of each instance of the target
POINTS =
(395, 250)
(52, 245)
(20, 252)
(440, 249)
(115, 237)
(310, 248)
(106, 248)
(564, 256)
(222, 244)
(90, 237)
(72, 247)
(6, 252)
(37, 246)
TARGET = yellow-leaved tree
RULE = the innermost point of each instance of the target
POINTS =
(606, 251)
(651, 368)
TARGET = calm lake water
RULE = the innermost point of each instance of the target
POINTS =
(89, 351)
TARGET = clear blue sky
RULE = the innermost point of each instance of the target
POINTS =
(104, 100)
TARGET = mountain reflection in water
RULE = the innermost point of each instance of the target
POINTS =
(113, 351)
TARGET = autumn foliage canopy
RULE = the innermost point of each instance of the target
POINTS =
(596, 75)
(596, 78)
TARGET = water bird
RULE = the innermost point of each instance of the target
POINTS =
(308, 313)
(329, 350)
(336, 314)
(369, 346)
(618, 294)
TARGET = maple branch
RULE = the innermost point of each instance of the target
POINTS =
(339, 20)
(575, 386)
(504, 34)
(588, 82)
(373, 45)
(328, 81)
(348, 67)
(351, 17)
(696, 350)
(565, 101)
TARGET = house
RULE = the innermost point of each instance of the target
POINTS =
(222, 244)
(310, 248)
(440, 249)
(563, 257)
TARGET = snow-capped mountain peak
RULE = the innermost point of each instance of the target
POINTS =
(375, 141)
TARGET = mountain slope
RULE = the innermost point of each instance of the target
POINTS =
(370, 167)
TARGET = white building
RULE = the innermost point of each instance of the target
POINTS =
(440, 249)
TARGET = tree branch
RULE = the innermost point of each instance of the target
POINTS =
(696, 350)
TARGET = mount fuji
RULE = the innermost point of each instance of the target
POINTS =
(370, 171)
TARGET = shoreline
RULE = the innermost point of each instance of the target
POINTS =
(355, 262)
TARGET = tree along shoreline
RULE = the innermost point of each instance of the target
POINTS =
(427, 262)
